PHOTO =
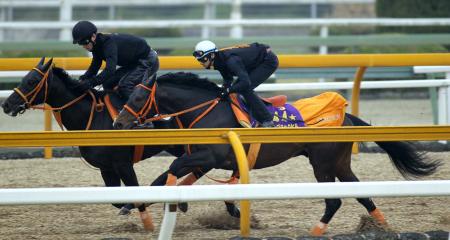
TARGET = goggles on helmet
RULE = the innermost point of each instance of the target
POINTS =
(202, 56)
(83, 42)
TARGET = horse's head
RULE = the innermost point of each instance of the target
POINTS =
(31, 91)
(140, 103)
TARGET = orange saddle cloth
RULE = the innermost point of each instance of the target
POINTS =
(324, 110)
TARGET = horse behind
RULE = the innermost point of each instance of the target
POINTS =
(175, 93)
(52, 85)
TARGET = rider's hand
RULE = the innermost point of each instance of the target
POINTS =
(84, 85)
(82, 78)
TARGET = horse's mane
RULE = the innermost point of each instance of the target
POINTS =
(189, 80)
(179, 78)
(71, 83)
(64, 76)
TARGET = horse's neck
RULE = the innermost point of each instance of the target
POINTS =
(74, 117)
(174, 100)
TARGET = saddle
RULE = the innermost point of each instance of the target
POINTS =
(324, 110)
(113, 102)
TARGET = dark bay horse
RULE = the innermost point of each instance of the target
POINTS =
(51, 85)
(173, 93)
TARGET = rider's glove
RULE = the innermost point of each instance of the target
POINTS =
(83, 78)
(84, 85)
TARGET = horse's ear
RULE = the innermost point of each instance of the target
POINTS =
(47, 65)
(41, 62)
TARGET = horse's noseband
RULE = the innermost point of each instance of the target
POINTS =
(34, 92)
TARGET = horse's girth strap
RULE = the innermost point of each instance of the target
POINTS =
(252, 154)
(57, 116)
(138, 153)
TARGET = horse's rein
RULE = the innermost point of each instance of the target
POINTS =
(151, 101)
(37, 89)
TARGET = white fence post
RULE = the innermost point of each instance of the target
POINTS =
(169, 221)
(323, 34)
(236, 15)
(209, 14)
(65, 15)
(2, 19)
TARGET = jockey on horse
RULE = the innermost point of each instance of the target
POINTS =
(137, 60)
(252, 64)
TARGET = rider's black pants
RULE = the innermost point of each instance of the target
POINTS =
(258, 76)
(126, 78)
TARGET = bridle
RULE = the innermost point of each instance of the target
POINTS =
(141, 115)
(30, 97)
(151, 102)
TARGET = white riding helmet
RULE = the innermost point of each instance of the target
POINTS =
(203, 49)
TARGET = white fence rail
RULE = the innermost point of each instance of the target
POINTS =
(234, 22)
(174, 194)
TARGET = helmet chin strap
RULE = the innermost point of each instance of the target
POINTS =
(211, 60)
(209, 65)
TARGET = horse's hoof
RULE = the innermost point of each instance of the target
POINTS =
(233, 210)
(379, 216)
(124, 211)
(183, 206)
(319, 229)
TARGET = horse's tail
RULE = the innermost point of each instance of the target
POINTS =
(408, 161)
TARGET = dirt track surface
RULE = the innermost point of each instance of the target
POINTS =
(289, 218)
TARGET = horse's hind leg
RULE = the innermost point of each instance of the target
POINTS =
(345, 174)
(322, 157)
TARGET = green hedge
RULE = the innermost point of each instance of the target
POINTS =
(413, 9)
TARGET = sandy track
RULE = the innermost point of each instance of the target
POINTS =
(290, 218)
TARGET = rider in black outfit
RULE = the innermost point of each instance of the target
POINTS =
(137, 61)
(252, 64)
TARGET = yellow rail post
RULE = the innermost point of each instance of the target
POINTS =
(355, 97)
(244, 179)
(48, 152)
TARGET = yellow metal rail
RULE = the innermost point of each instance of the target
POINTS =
(244, 179)
(223, 136)
(219, 136)
(286, 61)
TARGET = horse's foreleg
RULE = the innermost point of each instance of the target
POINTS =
(324, 171)
(203, 159)
(232, 209)
(366, 202)
(190, 179)
(111, 179)
(126, 172)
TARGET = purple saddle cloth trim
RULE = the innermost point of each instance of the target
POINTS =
(286, 116)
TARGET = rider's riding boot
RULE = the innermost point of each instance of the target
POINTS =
(267, 124)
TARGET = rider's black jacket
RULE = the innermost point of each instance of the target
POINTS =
(238, 61)
(116, 50)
